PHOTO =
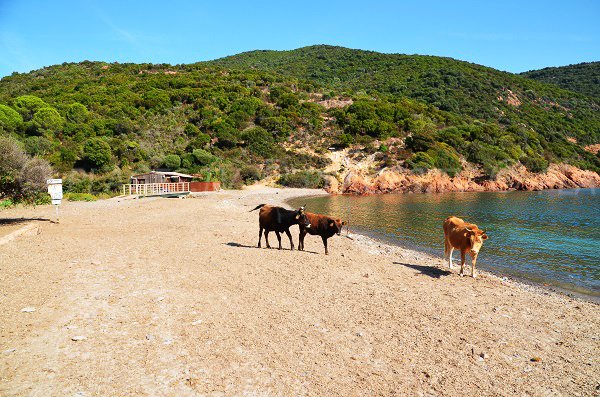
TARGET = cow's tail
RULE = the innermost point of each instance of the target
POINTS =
(259, 206)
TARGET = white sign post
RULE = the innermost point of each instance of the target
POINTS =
(56, 193)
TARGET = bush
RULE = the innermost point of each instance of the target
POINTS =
(77, 113)
(259, 141)
(172, 162)
(22, 178)
(48, 121)
(303, 179)
(10, 119)
(535, 163)
(97, 153)
(345, 140)
(420, 162)
(250, 174)
(202, 157)
(79, 197)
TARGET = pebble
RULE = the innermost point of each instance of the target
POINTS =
(536, 359)
(197, 322)
(7, 351)
(96, 263)
(78, 338)
(28, 309)
(71, 327)
(159, 299)
(149, 337)
(168, 341)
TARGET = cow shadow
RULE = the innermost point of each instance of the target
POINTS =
(17, 221)
(430, 271)
(238, 245)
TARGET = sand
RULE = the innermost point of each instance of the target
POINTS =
(170, 297)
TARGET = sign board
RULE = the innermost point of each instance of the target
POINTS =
(55, 190)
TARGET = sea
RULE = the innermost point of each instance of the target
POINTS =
(549, 237)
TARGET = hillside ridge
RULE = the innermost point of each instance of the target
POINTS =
(252, 116)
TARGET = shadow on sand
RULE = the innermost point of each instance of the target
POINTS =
(430, 271)
(238, 245)
(16, 221)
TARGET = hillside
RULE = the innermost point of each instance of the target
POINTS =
(456, 86)
(582, 77)
(271, 114)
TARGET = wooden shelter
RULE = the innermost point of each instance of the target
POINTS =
(160, 177)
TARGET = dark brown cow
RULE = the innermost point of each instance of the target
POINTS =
(278, 220)
(320, 225)
(466, 237)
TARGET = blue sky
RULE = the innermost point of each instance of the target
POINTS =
(507, 35)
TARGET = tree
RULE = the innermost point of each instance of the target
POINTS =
(27, 105)
(10, 119)
(48, 121)
(259, 141)
(172, 162)
(97, 153)
(77, 113)
(22, 178)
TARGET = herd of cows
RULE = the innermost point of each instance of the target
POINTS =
(458, 234)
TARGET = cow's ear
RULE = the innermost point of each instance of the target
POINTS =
(331, 224)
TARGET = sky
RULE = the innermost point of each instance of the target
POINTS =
(509, 35)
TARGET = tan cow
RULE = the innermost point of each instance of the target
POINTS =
(466, 237)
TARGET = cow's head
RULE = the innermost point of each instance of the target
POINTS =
(476, 237)
(301, 217)
(336, 225)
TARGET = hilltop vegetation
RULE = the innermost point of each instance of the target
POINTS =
(242, 118)
(583, 77)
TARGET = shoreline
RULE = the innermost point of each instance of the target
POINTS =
(366, 240)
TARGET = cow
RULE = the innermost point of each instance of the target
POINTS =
(278, 220)
(466, 237)
(320, 225)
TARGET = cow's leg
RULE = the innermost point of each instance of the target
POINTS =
(325, 244)
(301, 239)
(260, 232)
(267, 238)
(278, 238)
(290, 237)
(449, 250)
(473, 262)
(462, 262)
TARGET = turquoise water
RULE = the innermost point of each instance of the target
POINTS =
(550, 237)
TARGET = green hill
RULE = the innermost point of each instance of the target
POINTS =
(263, 113)
(451, 85)
(583, 77)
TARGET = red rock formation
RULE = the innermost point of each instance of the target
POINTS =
(400, 180)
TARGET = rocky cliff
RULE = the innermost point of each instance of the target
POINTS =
(400, 180)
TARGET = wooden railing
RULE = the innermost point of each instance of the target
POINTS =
(155, 189)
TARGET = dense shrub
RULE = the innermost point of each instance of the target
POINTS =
(303, 179)
(172, 162)
(22, 178)
(97, 153)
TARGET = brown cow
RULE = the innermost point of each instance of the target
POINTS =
(320, 225)
(466, 237)
(279, 220)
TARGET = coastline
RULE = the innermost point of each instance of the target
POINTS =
(367, 241)
(172, 297)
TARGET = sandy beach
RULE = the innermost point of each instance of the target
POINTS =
(171, 297)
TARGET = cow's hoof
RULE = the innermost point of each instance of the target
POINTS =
(474, 275)
(462, 275)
